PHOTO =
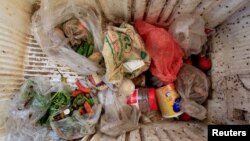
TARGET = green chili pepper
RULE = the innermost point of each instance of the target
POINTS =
(90, 51)
(86, 47)
(58, 101)
(89, 100)
(78, 101)
(80, 50)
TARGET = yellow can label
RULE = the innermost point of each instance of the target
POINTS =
(169, 101)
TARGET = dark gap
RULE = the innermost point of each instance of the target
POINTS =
(162, 10)
(146, 10)
(132, 10)
(127, 136)
(168, 134)
(173, 10)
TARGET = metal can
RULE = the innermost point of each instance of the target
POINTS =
(168, 101)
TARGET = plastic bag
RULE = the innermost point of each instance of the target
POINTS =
(165, 52)
(26, 108)
(45, 24)
(76, 126)
(118, 117)
(32, 101)
(193, 86)
(124, 54)
(75, 31)
(20, 130)
(60, 99)
(194, 109)
(189, 31)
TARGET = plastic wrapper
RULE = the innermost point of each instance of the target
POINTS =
(189, 31)
(165, 52)
(118, 117)
(193, 86)
(194, 109)
(124, 54)
(20, 130)
(77, 126)
(32, 101)
(78, 21)
(26, 108)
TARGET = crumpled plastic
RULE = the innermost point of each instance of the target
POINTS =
(189, 31)
(32, 101)
(165, 52)
(77, 126)
(24, 110)
(54, 13)
(193, 86)
(124, 54)
(119, 117)
(20, 130)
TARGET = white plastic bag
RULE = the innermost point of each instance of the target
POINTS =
(188, 31)
(118, 117)
(53, 13)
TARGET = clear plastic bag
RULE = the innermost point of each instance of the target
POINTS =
(60, 99)
(76, 126)
(32, 101)
(26, 108)
(21, 130)
(193, 86)
(118, 117)
(165, 52)
(194, 109)
(189, 31)
(45, 23)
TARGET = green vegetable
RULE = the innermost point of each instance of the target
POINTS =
(59, 101)
(89, 100)
(90, 50)
(80, 50)
(143, 55)
(86, 47)
(40, 101)
(78, 101)
(29, 91)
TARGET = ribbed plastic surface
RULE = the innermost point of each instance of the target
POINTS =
(163, 131)
(14, 27)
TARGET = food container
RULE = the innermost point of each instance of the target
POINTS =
(169, 101)
(144, 99)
